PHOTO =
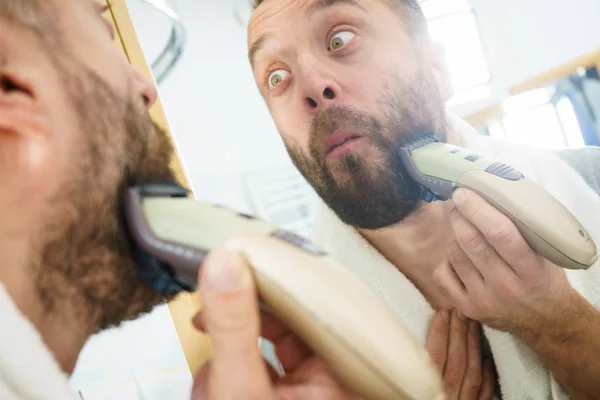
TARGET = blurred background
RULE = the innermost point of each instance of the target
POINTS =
(525, 70)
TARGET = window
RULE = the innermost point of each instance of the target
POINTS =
(537, 118)
(453, 24)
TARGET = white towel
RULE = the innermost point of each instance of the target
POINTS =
(522, 376)
(28, 371)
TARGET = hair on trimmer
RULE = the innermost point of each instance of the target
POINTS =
(321, 301)
(546, 224)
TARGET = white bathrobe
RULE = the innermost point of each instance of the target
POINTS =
(28, 370)
(522, 376)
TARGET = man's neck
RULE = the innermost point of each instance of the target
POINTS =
(61, 330)
(416, 246)
(65, 334)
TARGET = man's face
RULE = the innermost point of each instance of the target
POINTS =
(74, 131)
(347, 85)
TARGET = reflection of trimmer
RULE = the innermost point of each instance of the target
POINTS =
(329, 308)
(549, 228)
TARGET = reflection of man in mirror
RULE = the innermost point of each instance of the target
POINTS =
(74, 130)
(347, 83)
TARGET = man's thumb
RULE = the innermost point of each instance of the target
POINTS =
(232, 322)
(229, 300)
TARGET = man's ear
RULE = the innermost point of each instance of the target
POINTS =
(436, 57)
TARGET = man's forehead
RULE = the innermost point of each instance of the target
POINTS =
(19, 8)
(310, 3)
(33, 15)
(31, 12)
(281, 11)
(270, 8)
(32, 7)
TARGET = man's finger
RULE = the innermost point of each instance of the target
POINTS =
(270, 327)
(497, 229)
(291, 352)
(456, 364)
(303, 392)
(451, 286)
(198, 321)
(231, 318)
(437, 339)
(488, 384)
(200, 388)
(464, 267)
(472, 380)
(313, 372)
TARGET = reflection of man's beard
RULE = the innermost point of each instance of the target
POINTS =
(376, 192)
(84, 262)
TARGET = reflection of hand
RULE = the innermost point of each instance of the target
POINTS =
(493, 276)
(454, 345)
(232, 320)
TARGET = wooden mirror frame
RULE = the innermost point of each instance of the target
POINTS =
(195, 344)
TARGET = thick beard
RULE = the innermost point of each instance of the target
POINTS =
(379, 192)
(84, 264)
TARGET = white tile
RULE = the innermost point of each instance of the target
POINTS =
(123, 391)
(173, 386)
(92, 370)
(128, 392)
(147, 345)
(138, 348)
(106, 394)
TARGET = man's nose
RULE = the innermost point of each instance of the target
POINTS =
(145, 87)
(320, 89)
(319, 100)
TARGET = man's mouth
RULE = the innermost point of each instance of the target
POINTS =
(340, 142)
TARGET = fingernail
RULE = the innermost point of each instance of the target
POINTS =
(459, 197)
(223, 272)
(474, 328)
(446, 316)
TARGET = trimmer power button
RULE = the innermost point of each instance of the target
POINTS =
(298, 241)
(504, 171)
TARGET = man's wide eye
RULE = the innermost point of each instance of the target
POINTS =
(340, 40)
(277, 77)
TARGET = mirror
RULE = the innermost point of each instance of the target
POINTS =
(523, 71)
(230, 146)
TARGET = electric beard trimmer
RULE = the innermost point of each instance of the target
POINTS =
(321, 301)
(549, 228)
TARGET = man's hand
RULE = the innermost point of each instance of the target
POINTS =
(454, 345)
(232, 320)
(494, 277)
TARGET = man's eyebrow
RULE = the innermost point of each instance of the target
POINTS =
(316, 6)
(256, 46)
(321, 4)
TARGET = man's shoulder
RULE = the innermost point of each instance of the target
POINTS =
(23, 341)
(572, 154)
(586, 162)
